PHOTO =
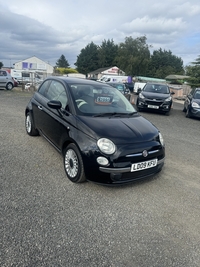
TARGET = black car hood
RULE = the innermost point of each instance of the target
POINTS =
(155, 95)
(120, 130)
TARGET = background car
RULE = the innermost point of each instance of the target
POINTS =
(6, 81)
(122, 88)
(192, 104)
(155, 97)
(99, 133)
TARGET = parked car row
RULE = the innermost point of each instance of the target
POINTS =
(157, 97)
(8, 82)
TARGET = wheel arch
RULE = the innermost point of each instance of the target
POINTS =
(67, 142)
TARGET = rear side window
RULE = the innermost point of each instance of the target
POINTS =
(3, 73)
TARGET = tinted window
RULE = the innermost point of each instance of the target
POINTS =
(156, 88)
(197, 95)
(3, 73)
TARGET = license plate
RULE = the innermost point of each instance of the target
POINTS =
(153, 106)
(143, 165)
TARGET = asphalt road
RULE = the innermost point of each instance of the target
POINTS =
(45, 220)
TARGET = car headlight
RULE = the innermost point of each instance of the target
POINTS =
(106, 146)
(161, 139)
(141, 96)
(168, 99)
(195, 105)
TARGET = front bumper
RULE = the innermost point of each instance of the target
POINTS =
(124, 175)
(195, 112)
(120, 169)
(154, 105)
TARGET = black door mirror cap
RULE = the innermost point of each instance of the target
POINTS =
(54, 104)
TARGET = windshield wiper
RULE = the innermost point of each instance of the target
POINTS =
(114, 114)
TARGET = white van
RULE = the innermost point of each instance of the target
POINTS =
(114, 78)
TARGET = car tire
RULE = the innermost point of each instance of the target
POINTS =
(187, 114)
(9, 86)
(29, 125)
(73, 164)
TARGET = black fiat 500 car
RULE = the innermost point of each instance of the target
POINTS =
(100, 134)
(156, 97)
(192, 104)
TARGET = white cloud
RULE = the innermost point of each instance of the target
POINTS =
(48, 29)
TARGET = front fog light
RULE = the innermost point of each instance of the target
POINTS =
(102, 161)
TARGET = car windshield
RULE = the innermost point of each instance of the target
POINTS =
(91, 100)
(156, 88)
(197, 95)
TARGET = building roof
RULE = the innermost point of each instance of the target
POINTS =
(149, 79)
(31, 58)
(99, 70)
(176, 77)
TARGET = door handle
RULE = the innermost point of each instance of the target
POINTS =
(40, 107)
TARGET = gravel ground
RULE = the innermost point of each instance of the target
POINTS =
(48, 221)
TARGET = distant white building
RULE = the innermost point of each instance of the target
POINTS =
(34, 64)
(97, 74)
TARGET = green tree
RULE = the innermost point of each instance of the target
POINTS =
(1, 65)
(62, 62)
(194, 72)
(197, 61)
(88, 59)
(107, 53)
(163, 63)
(133, 56)
(66, 70)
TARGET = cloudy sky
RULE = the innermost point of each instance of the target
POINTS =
(47, 29)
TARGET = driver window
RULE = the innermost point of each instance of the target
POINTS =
(56, 91)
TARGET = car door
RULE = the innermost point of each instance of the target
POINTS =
(52, 123)
(3, 78)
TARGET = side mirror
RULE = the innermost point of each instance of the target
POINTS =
(139, 90)
(172, 93)
(54, 104)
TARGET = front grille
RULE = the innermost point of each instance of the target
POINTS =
(153, 102)
(136, 156)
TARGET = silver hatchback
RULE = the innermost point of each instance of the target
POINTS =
(6, 80)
